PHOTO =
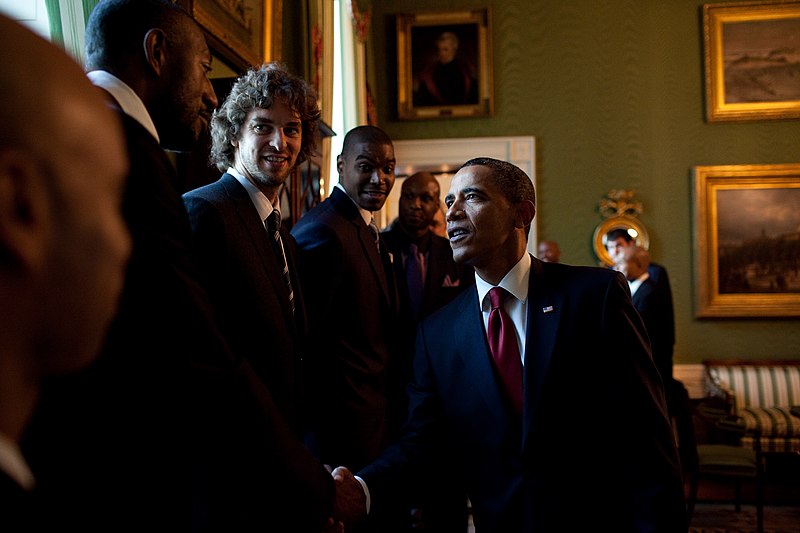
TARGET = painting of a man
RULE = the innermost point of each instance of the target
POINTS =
(447, 75)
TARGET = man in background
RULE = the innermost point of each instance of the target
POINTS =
(246, 257)
(617, 242)
(655, 308)
(63, 241)
(427, 279)
(168, 429)
(549, 252)
(502, 371)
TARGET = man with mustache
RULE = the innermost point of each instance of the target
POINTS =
(355, 367)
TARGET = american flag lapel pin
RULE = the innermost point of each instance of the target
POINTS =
(548, 309)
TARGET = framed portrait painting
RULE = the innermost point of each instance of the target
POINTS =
(747, 240)
(752, 60)
(444, 68)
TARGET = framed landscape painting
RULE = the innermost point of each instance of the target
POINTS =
(752, 60)
(747, 240)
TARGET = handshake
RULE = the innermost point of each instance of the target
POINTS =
(350, 504)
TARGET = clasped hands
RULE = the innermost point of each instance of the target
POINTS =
(350, 504)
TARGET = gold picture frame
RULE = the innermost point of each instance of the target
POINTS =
(444, 65)
(241, 31)
(752, 60)
(747, 240)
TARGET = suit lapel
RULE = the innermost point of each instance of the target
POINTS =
(348, 209)
(473, 348)
(545, 307)
(260, 240)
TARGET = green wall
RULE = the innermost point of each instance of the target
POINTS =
(613, 91)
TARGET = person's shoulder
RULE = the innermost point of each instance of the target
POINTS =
(204, 191)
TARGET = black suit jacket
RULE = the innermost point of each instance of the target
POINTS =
(655, 307)
(594, 446)
(444, 280)
(16, 504)
(355, 361)
(240, 270)
(168, 427)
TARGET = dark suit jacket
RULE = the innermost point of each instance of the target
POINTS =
(594, 446)
(659, 276)
(240, 270)
(655, 307)
(168, 426)
(444, 279)
(17, 507)
(353, 320)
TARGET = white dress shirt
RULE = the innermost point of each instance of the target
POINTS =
(635, 284)
(127, 98)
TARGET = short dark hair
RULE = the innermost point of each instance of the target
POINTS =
(260, 87)
(116, 28)
(367, 134)
(512, 181)
(617, 233)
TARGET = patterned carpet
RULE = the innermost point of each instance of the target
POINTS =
(716, 518)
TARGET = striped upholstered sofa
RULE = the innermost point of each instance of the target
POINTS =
(762, 393)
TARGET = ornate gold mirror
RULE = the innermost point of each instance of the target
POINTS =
(633, 226)
(620, 211)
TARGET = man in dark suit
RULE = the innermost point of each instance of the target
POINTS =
(250, 275)
(427, 279)
(617, 242)
(653, 304)
(431, 258)
(345, 268)
(168, 426)
(63, 241)
(561, 424)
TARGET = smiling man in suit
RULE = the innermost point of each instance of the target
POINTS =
(168, 428)
(538, 384)
(246, 258)
(345, 269)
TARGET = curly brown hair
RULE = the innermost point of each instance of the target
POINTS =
(259, 88)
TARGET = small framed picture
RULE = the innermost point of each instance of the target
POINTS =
(752, 60)
(444, 67)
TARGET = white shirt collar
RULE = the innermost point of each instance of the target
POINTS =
(635, 284)
(13, 463)
(366, 215)
(127, 98)
(260, 201)
(515, 281)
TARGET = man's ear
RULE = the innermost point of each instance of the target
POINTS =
(23, 202)
(525, 213)
(340, 164)
(155, 50)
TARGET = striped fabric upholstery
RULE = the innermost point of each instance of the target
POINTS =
(762, 395)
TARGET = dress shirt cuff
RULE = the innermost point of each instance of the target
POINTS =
(366, 491)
